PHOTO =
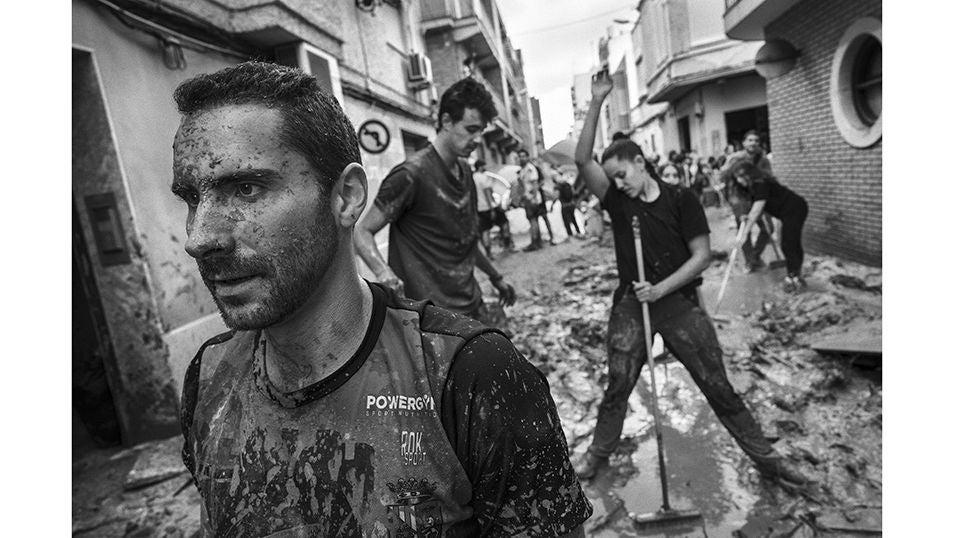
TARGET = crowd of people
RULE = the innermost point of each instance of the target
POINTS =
(741, 179)
(339, 406)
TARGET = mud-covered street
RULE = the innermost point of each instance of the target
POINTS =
(825, 410)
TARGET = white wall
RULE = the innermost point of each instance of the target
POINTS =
(705, 21)
(708, 132)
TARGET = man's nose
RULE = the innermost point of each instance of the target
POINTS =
(210, 232)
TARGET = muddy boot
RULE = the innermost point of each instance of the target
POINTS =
(793, 284)
(589, 465)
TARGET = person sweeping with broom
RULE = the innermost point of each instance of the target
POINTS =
(673, 239)
(770, 196)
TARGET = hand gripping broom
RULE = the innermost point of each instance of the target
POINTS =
(666, 515)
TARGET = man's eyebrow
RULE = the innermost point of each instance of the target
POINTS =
(245, 174)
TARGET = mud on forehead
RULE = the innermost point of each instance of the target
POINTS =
(232, 137)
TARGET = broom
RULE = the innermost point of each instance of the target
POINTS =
(728, 272)
(666, 515)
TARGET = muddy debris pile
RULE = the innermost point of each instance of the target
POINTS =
(143, 491)
(825, 412)
(563, 334)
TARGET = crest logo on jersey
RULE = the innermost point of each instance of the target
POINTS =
(415, 512)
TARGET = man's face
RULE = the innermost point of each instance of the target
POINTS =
(629, 176)
(465, 135)
(751, 143)
(259, 229)
(524, 157)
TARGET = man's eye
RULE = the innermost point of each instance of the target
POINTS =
(249, 189)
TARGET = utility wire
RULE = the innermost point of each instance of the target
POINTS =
(571, 23)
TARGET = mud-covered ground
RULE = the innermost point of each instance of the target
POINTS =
(824, 410)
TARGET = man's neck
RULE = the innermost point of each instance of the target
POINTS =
(446, 152)
(324, 333)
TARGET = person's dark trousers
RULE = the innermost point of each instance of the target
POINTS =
(546, 219)
(691, 337)
(568, 211)
(792, 223)
(532, 212)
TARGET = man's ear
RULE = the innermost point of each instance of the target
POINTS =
(350, 195)
(445, 121)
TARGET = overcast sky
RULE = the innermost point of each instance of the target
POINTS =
(558, 39)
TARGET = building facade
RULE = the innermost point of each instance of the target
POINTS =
(469, 38)
(685, 60)
(823, 63)
(140, 308)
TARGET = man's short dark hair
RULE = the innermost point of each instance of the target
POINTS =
(466, 93)
(620, 135)
(314, 123)
(523, 150)
(479, 163)
(751, 132)
(628, 150)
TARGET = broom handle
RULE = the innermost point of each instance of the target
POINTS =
(648, 337)
(728, 267)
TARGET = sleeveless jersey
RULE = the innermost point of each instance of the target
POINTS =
(360, 453)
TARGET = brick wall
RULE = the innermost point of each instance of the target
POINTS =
(841, 183)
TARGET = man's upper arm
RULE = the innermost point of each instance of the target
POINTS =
(595, 178)
(395, 196)
(503, 425)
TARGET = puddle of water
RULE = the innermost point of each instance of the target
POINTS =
(707, 471)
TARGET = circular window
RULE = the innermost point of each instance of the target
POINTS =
(856, 83)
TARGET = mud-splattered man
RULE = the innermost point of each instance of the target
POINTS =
(334, 407)
(430, 201)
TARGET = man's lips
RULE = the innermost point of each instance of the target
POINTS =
(223, 285)
(232, 278)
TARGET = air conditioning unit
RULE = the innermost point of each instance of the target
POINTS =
(315, 62)
(419, 69)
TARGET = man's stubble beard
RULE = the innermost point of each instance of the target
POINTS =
(291, 276)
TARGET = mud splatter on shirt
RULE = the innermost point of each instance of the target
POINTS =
(436, 427)
(434, 233)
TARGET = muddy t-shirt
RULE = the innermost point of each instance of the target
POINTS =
(436, 427)
(434, 232)
(666, 224)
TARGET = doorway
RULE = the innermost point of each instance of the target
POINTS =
(92, 349)
(685, 138)
(412, 142)
(738, 122)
